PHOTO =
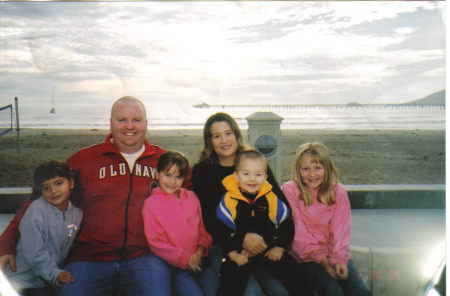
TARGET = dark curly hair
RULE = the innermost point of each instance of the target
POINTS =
(52, 169)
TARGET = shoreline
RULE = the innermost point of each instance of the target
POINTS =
(361, 156)
(101, 130)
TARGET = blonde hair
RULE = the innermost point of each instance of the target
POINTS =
(319, 154)
(250, 154)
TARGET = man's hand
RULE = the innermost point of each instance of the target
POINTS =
(64, 277)
(254, 244)
(275, 253)
(8, 259)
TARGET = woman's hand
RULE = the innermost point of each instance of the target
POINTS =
(8, 259)
(341, 271)
(239, 258)
(254, 244)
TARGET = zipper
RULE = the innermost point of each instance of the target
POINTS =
(125, 235)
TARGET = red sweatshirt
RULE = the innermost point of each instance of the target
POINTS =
(112, 227)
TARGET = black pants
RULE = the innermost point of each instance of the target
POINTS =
(44, 291)
(233, 278)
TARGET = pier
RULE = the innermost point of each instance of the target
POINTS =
(351, 106)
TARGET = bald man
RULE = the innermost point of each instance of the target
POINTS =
(111, 253)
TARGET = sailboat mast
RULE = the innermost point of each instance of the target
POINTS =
(53, 102)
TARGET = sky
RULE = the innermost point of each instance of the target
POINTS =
(184, 53)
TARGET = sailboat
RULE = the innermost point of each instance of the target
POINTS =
(53, 102)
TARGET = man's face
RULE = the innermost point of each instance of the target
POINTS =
(128, 126)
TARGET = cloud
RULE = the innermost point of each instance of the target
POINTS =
(272, 29)
(418, 29)
(216, 51)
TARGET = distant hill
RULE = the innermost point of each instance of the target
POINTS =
(437, 98)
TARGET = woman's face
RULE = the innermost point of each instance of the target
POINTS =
(224, 141)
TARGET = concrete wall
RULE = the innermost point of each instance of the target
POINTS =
(394, 230)
(377, 196)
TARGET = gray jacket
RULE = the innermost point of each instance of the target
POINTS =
(46, 235)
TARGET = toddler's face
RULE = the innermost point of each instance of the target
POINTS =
(311, 172)
(251, 175)
(170, 180)
(56, 191)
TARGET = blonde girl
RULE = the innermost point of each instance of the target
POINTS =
(322, 217)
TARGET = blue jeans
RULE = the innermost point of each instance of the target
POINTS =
(146, 275)
(189, 283)
(260, 280)
(325, 285)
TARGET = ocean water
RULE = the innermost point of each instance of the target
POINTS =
(166, 116)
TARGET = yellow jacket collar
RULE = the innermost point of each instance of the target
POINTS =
(232, 186)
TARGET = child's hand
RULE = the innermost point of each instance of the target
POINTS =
(64, 277)
(341, 271)
(195, 262)
(239, 259)
(329, 268)
(8, 259)
(275, 253)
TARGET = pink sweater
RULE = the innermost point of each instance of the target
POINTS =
(174, 227)
(320, 230)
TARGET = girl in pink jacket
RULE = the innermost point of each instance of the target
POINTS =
(174, 228)
(322, 218)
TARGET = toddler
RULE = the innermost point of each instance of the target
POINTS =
(250, 206)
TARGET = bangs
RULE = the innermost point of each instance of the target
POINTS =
(315, 157)
(173, 158)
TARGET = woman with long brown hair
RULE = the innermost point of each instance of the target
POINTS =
(223, 141)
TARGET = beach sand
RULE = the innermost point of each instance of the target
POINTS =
(361, 157)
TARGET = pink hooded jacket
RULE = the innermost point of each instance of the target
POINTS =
(174, 227)
(320, 230)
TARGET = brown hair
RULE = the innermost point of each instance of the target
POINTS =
(170, 158)
(319, 154)
(207, 154)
